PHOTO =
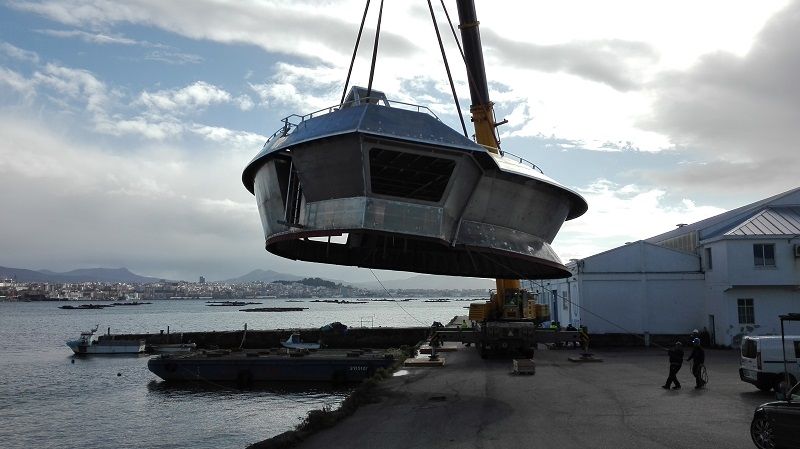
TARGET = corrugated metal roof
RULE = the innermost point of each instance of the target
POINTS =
(717, 224)
(771, 221)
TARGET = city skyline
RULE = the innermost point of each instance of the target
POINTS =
(126, 128)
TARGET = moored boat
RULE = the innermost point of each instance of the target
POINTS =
(88, 343)
(295, 342)
(85, 306)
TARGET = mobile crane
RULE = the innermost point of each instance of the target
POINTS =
(508, 321)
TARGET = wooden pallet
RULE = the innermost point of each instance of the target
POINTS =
(524, 366)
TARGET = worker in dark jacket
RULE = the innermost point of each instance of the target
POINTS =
(675, 363)
(698, 358)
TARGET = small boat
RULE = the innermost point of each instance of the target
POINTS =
(85, 306)
(295, 342)
(275, 309)
(229, 303)
(88, 343)
(173, 348)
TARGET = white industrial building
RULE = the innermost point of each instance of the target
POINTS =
(732, 274)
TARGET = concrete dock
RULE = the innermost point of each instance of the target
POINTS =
(477, 403)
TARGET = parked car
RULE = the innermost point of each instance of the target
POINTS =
(761, 361)
(777, 424)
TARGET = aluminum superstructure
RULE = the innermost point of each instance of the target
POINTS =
(380, 184)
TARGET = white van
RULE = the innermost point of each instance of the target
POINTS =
(761, 362)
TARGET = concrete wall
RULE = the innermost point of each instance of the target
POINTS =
(639, 287)
(638, 303)
(741, 269)
(638, 257)
(768, 305)
(734, 276)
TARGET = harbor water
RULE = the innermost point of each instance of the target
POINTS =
(52, 399)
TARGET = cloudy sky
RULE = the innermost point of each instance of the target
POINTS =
(124, 126)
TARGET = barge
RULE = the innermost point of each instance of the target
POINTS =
(274, 365)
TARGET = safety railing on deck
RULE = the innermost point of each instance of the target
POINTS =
(294, 120)
(511, 156)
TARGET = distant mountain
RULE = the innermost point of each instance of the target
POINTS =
(431, 282)
(109, 275)
(23, 275)
(264, 276)
(83, 275)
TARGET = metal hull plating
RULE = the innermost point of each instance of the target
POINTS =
(409, 194)
(245, 369)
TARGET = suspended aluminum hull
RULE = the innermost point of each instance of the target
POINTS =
(409, 194)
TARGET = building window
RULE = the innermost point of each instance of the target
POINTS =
(764, 255)
(709, 262)
(746, 312)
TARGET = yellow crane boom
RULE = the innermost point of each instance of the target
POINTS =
(482, 109)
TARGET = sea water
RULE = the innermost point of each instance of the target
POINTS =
(50, 398)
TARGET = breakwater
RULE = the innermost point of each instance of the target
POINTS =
(352, 338)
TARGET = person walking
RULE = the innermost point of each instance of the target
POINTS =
(675, 363)
(698, 358)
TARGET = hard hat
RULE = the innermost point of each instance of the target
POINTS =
(695, 331)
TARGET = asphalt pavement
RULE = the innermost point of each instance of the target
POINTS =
(619, 403)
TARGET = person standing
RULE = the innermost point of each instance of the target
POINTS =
(698, 358)
(675, 363)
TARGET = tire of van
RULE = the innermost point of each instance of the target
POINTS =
(780, 383)
(763, 386)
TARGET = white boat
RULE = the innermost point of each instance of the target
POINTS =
(172, 348)
(88, 343)
(295, 342)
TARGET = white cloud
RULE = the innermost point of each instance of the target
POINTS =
(740, 113)
(173, 57)
(79, 85)
(236, 140)
(139, 206)
(327, 27)
(244, 102)
(18, 53)
(614, 62)
(319, 87)
(575, 110)
(93, 38)
(163, 53)
(77, 91)
(17, 82)
(622, 213)
(188, 99)
(140, 126)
